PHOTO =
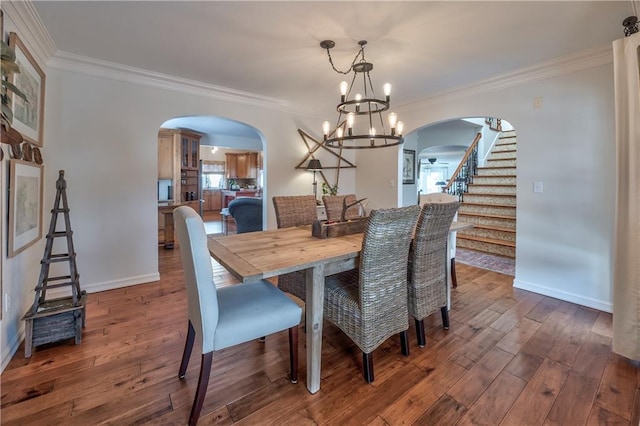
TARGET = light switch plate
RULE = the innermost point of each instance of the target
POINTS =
(537, 187)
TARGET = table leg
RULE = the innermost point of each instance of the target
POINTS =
(314, 278)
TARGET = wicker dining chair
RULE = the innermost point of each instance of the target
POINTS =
(369, 304)
(333, 205)
(294, 210)
(440, 197)
(427, 275)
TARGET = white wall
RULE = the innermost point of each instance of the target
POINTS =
(565, 234)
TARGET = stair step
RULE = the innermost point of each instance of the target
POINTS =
(498, 189)
(480, 208)
(487, 245)
(488, 198)
(502, 221)
(495, 170)
(496, 233)
(494, 179)
(507, 154)
(499, 162)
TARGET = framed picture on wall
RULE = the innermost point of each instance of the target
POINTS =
(28, 117)
(408, 166)
(25, 205)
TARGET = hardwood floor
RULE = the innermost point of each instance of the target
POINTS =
(510, 357)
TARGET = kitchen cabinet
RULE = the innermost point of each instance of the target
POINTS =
(242, 165)
(166, 154)
(178, 160)
(190, 150)
(212, 199)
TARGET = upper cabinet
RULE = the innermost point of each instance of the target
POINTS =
(190, 150)
(242, 166)
(166, 154)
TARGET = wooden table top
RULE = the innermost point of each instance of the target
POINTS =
(256, 255)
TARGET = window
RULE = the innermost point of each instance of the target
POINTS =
(213, 174)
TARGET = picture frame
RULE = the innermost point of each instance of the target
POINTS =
(28, 117)
(25, 205)
(408, 167)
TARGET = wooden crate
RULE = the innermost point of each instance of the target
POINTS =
(55, 320)
(324, 229)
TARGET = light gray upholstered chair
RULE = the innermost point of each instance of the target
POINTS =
(369, 304)
(294, 210)
(427, 265)
(333, 205)
(440, 197)
(220, 318)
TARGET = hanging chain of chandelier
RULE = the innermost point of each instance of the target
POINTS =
(361, 111)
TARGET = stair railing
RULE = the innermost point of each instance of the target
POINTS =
(463, 175)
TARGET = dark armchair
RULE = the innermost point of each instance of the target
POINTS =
(247, 212)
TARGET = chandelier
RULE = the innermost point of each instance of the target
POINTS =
(360, 110)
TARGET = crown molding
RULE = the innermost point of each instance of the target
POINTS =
(31, 30)
(122, 73)
(575, 62)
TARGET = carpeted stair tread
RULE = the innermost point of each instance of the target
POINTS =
(493, 184)
(483, 194)
(473, 203)
(492, 216)
(487, 240)
(493, 228)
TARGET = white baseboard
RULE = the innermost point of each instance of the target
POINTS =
(12, 347)
(600, 305)
(16, 340)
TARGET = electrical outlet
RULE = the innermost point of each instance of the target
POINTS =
(392, 183)
(537, 187)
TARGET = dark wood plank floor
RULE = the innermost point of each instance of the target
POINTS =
(511, 357)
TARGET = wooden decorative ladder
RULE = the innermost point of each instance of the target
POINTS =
(49, 321)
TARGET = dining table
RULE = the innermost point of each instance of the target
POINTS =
(254, 256)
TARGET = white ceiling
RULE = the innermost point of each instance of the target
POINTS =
(271, 49)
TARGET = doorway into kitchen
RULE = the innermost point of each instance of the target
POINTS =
(204, 162)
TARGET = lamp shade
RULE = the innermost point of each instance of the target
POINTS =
(314, 165)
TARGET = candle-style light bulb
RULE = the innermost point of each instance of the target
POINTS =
(372, 131)
(351, 118)
(358, 98)
(393, 119)
(339, 132)
(343, 87)
(326, 126)
(387, 90)
(400, 127)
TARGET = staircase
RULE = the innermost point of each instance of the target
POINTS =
(490, 203)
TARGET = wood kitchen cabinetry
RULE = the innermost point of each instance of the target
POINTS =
(178, 160)
(242, 166)
(212, 199)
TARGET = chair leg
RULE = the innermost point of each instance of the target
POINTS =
(293, 353)
(404, 342)
(445, 317)
(188, 346)
(420, 333)
(203, 382)
(367, 365)
(454, 279)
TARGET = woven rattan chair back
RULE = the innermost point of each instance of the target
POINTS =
(427, 268)
(370, 304)
(333, 205)
(295, 210)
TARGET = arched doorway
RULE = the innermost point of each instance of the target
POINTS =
(488, 194)
(194, 168)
